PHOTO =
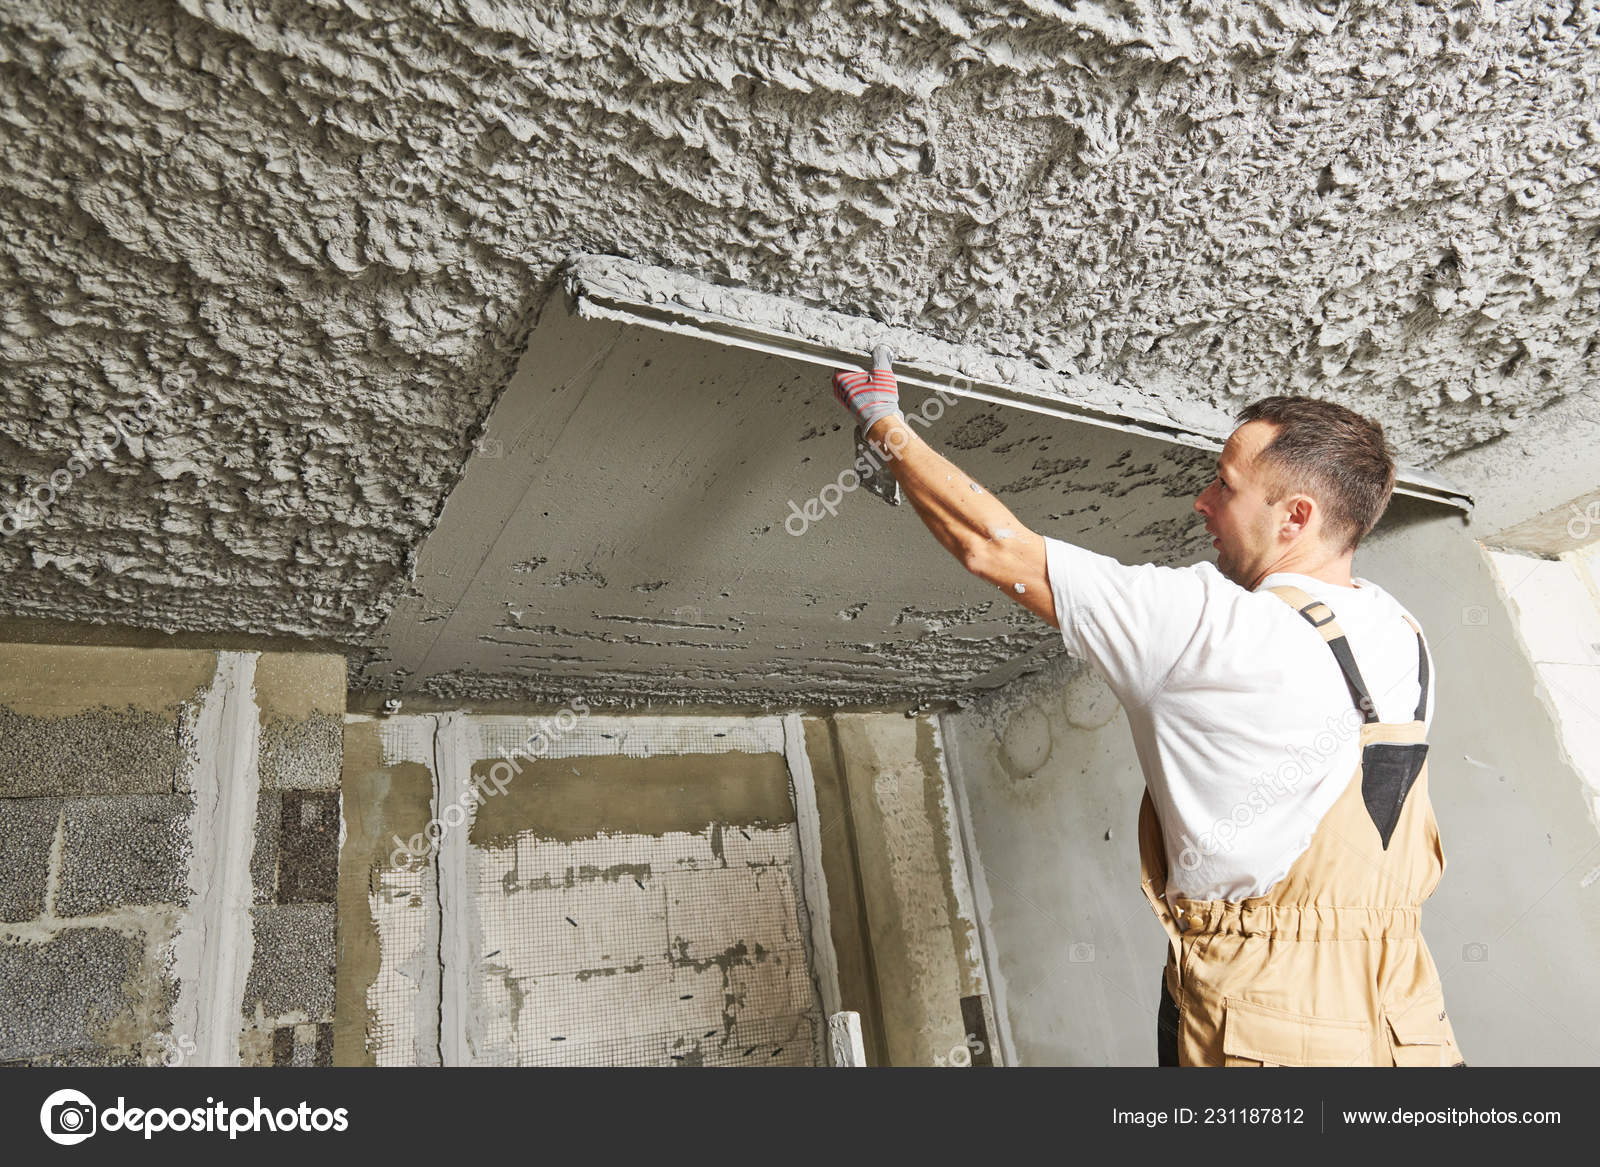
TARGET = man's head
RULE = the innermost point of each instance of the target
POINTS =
(1299, 484)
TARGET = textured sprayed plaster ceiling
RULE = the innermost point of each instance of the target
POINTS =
(327, 230)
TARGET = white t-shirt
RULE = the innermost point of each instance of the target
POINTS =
(1243, 724)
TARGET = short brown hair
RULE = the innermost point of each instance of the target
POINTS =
(1334, 454)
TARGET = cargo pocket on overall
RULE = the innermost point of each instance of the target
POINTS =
(1260, 1035)
(1419, 1032)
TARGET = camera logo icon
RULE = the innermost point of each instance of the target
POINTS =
(68, 1117)
(1475, 951)
(1475, 616)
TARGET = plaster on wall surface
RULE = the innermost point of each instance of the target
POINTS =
(322, 233)
(215, 946)
(387, 994)
(630, 897)
(1053, 791)
(1556, 606)
(682, 948)
(666, 482)
(918, 910)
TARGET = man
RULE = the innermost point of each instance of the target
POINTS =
(1279, 708)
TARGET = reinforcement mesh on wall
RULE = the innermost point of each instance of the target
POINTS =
(679, 949)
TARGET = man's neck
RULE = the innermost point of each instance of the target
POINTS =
(1332, 571)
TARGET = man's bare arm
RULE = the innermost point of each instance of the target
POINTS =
(974, 526)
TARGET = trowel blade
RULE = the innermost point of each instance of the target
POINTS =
(876, 477)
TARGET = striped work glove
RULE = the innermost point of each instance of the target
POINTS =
(870, 396)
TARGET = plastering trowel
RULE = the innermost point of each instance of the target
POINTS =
(877, 477)
(608, 287)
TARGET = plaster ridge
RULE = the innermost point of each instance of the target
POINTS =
(459, 935)
(812, 893)
(215, 940)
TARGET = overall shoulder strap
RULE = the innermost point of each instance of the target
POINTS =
(1320, 617)
(1422, 671)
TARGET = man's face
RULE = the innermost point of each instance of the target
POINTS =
(1244, 526)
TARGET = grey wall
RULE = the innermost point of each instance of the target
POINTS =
(1046, 769)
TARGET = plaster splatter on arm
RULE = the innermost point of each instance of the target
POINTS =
(972, 524)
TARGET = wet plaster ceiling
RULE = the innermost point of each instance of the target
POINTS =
(326, 231)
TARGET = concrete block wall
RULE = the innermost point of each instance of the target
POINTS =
(95, 803)
(131, 831)
(288, 1002)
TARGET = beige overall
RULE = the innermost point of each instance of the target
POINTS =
(1328, 968)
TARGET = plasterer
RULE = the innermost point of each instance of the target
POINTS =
(1280, 706)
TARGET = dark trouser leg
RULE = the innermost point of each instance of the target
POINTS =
(1166, 1028)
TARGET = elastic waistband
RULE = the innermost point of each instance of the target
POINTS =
(1288, 922)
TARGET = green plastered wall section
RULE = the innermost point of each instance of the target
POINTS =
(150, 799)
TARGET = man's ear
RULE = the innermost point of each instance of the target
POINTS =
(1301, 509)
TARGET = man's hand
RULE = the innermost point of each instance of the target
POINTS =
(870, 396)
